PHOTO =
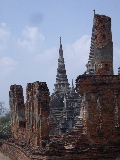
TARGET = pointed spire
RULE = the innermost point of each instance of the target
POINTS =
(72, 82)
(60, 51)
(60, 40)
(72, 85)
(91, 60)
(61, 77)
(72, 88)
(60, 44)
(94, 12)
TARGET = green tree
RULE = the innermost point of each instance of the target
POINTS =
(5, 131)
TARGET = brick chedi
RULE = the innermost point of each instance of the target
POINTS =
(56, 102)
(65, 101)
(101, 92)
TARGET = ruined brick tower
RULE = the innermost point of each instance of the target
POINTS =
(103, 45)
(101, 50)
(101, 92)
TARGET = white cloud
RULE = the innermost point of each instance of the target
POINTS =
(33, 39)
(82, 45)
(4, 36)
(48, 55)
(7, 65)
(76, 56)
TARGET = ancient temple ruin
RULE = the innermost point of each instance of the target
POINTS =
(30, 121)
(72, 125)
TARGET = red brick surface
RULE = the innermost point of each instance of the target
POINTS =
(102, 30)
(33, 124)
(101, 107)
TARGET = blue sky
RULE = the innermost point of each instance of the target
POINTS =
(29, 39)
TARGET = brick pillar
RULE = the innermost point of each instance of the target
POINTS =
(17, 108)
(37, 112)
(103, 45)
(29, 111)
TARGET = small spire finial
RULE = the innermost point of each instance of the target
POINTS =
(72, 82)
(60, 40)
(94, 11)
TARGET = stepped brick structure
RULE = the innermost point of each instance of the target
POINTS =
(65, 101)
(30, 122)
(61, 84)
(91, 61)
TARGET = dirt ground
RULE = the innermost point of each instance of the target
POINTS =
(3, 157)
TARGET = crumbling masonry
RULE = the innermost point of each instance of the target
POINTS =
(101, 91)
(30, 122)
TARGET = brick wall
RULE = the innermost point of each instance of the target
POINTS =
(101, 107)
